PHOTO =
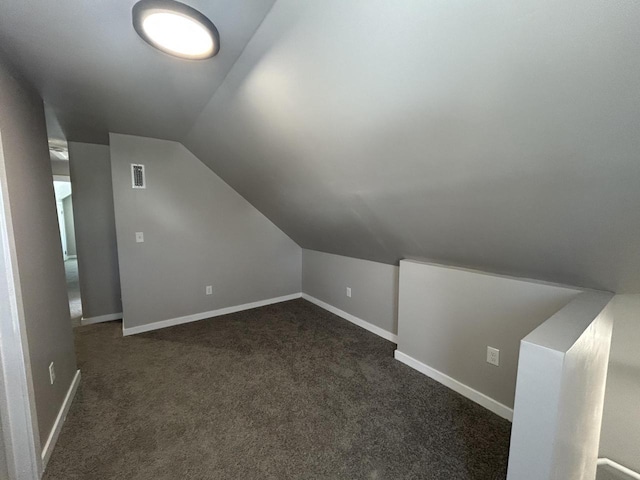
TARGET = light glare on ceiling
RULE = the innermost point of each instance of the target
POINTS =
(176, 29)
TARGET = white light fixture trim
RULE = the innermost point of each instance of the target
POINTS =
(176, 29)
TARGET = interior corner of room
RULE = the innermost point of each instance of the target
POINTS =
(325, 253)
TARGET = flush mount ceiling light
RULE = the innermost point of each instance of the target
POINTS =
(176, 29)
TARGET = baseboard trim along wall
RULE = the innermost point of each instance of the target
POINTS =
(464, 390)
(102, 318)
(392, 337)
(47, 450)
(628, 473)
(204, 315)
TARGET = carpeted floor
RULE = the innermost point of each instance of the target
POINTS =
(287, 391)
(73, 290)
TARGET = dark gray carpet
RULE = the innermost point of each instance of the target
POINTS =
(73, 290)
(287, 391)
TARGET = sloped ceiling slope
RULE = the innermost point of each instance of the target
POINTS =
(499, 135)
(96, 75)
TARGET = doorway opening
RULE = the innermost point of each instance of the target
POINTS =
(64, 206)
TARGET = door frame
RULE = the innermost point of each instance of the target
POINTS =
(17, 400)
(62, 227)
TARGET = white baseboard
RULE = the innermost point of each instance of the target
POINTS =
(392, 337)
(102, 318)
(47, 450)
(464, 390)
(204, 315)
(628, 473)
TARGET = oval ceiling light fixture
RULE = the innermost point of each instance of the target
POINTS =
(176, 29)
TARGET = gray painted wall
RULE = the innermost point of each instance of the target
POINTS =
(197, 231)
(447, 317)
(18, 417)
(561, 383)
(4, 473)
(374, 286)
(69, 227)
(95, 229)
(39, 263)
(608, 472)
(620, 439)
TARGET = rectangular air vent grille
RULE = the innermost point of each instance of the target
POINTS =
(137, 176)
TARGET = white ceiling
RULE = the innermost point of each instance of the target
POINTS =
(97, 75)
(498, 135)
(502, 135)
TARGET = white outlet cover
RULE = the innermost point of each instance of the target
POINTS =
(209, 290)
(139, 237)
(349, 292)
(493, 356)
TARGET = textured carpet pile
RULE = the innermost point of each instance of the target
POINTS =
(287, 391)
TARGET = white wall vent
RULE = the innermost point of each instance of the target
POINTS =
(137, 176)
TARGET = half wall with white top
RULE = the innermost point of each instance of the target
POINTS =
(447, 317)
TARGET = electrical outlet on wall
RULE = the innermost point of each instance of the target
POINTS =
(349, 292)
(139, 237)
(208, 290)
(52, 373)
(493, 356)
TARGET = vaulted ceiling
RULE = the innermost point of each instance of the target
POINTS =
(97, 75)
(498, 135)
